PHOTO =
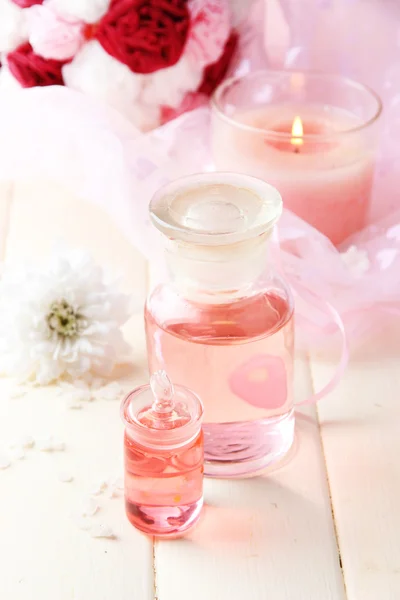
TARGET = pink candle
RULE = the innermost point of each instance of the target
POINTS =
(318, 152)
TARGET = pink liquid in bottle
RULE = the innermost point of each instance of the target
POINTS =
(163, 447)
(239, 359)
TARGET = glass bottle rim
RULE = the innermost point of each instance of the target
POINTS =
(165, 438)
(269, 197)
(310, 74)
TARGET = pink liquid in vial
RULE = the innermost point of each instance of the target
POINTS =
(238, 358)
(163, 488)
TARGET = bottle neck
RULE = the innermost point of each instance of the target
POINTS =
(217, 274)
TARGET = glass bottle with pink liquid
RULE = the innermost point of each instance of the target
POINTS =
(222, 324)
(163, 447)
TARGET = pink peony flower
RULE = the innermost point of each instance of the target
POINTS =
(210, 27)
(52, 35)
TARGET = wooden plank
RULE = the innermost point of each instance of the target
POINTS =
(267, 537)
(42, 552)
(360, 425)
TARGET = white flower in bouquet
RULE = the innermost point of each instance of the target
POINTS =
(169, 86)
(96, 73)
(13, 29)
(61, 320)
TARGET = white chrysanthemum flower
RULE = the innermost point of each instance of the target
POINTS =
(60, 320)
(13, 29)
(89, 11)
(95, 73)
(169, 86)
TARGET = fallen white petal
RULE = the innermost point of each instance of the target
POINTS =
(101, 530)
(90, 508)
(112, 492)
(99, 488)
(25, 441)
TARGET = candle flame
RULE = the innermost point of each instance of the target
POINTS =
(297, 132)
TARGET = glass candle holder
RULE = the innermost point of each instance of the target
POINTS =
(312, 136)
(163, 447)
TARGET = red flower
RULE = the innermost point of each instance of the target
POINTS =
(27, 3)
(32, 70)
(214, 73)
(145, 35)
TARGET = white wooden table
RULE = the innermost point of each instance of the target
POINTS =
(325, 526)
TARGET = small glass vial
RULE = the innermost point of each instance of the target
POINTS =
(222, 323)
(164, 455)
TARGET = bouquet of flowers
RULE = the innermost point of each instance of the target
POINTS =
(149, 59)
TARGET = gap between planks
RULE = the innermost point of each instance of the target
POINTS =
(155, 587)
(321, 441)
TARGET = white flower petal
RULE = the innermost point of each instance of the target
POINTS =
(99, 488)
(25, 441)
(101, 530)
(90, 508)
